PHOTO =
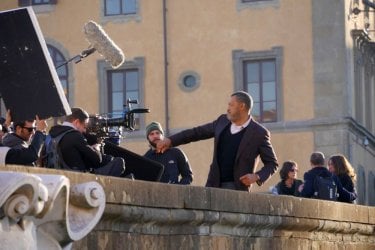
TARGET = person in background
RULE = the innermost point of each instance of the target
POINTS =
(341, 167)
(318, 168)
(21, 136)
(176, 165)
(289, 183)
(239, 143)
(25, 155)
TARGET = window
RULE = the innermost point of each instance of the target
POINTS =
(260, 83)
(122, 85)
(120, 7)
(364, 79)
(249, 1)
(35, 2)
(361, 185)
(259, 74)
(371, 186)
(189, 81)
(119, 85)
(245, 4)
(58, 59)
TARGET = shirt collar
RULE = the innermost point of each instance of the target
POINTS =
(69, 124)
(235, 128)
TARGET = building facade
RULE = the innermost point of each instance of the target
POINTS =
(308, 65)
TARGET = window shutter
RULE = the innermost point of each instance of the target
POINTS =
(24, 2)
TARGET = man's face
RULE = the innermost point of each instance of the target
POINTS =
(26, 131)
(154, 136)
(81, 126)
(234, 109)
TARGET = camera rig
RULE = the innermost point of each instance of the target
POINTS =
(105, 127)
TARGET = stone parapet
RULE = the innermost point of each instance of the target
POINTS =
(147, 215)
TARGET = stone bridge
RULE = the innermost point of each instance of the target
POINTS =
(146, 215)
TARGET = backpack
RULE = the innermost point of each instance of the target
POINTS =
(325, 188)
(53, 158)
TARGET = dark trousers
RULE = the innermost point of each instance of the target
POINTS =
(114, 166)
(228, 185)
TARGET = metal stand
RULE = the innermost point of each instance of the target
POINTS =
(79, 57)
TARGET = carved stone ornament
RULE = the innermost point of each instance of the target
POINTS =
(44, 212)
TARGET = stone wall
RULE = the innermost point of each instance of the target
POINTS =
(146, 215)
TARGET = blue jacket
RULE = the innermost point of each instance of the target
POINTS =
(175, 164)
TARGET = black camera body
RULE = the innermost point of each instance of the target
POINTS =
(103, 126)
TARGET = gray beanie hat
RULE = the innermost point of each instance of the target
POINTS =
(154, 126)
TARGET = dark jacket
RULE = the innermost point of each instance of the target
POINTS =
(75, 150)
(26, 156)
(254, 144)
(14, 141)
(175, 164)
(282, 189)
(348, 184)
(309, 178)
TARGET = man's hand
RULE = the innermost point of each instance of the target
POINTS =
(163, 145)
(41, 125)
(300, 187)
(249, 179)
(96, 147)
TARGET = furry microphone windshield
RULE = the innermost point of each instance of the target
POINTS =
(99, 40)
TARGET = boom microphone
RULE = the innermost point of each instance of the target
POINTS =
(100, 41)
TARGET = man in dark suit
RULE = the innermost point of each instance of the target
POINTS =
(239, 141)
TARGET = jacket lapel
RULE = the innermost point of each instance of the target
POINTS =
(246, 139)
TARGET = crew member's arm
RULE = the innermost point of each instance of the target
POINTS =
(184, 168)
(7, 123)
(92, 157)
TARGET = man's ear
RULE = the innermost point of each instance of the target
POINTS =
(17, 129)
(243, 106)
(75, 122)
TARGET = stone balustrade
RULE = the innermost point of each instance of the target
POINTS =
(146, 215)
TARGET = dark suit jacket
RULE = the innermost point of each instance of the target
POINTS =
(255, 142)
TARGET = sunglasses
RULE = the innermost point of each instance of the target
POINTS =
(293, 170)
(30, 129)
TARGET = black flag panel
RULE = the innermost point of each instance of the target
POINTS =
(29, 84)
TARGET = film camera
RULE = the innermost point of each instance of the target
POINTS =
(107, 128)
